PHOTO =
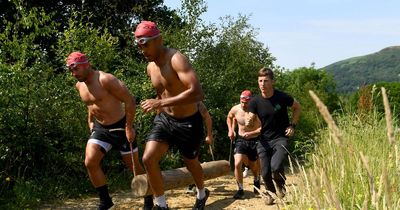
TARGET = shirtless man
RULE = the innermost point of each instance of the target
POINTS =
(110, 123)
(246, 143)
(179, 122)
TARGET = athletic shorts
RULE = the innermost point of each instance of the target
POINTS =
(186, 134)
(246, 147)
(109, 136)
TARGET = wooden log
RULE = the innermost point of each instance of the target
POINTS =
(179, 177)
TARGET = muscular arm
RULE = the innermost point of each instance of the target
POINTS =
(208, 121)
(250, 118)
(90, 120)
(230, 122)
(180, 64)
(118, 89)
(256, 132)
(296, 109)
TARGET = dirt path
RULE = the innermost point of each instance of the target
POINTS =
(222, 190)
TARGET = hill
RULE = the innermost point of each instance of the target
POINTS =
(382, 66)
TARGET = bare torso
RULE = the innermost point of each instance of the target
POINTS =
(167, 84)
(102, 105)
(240, 116)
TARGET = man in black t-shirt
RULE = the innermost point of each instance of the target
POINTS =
(271, 108)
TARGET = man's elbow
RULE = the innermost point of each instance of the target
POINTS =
(200, 96)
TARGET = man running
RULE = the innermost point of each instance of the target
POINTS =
(179, 122)
(111, 114)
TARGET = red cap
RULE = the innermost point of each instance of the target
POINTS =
(245, 95)
(146, 29)
(76, 58)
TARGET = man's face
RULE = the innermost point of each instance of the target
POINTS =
(79, 71)
(265, 84)
(149, 47)
(244, 104)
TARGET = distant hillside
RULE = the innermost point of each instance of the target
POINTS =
(352, 73)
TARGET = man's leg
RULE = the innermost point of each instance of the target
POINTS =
(138, 169)
(266, 174)
(153, 153)
(239, 158)
(93, 157)
(255, 169)
(277, 165)
(194, 167)
(136, 166)
(264, 153)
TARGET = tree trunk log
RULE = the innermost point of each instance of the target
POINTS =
(179, 177)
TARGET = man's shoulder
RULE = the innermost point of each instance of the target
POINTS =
(236, 107)
(280, 93)
(256, 98)
(107, 78)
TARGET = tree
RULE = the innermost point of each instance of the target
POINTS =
(297, 83)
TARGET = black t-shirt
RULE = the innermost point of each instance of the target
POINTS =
(273, 114)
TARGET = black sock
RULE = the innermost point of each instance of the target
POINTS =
(103, 193)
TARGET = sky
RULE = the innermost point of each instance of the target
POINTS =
(299, 33)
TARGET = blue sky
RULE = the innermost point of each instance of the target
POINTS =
(299, 33)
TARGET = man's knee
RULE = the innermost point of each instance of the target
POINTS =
(238, 165)
(91, 163)
(149, 160)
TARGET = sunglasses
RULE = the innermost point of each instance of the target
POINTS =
(144, 40)
(73, 65)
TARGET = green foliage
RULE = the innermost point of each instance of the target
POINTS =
(97, 44)
(353, 73)
(297, 83)
(227, 64)
(372, 93)
(33, 124)
(43, 128)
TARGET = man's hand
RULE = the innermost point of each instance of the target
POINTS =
(249, 120)
(289, 132)
(231, 135)
(209, 139)
(130, 134)
(150, 105)
(246, 135)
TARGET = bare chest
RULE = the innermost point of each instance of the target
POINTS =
(93, 94)
(165, 80)
(240, 117)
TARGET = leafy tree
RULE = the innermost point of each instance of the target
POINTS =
(369, 98)
(118, 17)
(227, 65)
(33, 124)
(297, 83)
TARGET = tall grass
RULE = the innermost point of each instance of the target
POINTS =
(355, 166)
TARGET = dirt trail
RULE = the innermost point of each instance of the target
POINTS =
(222, 189)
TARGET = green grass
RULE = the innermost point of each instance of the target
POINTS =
(362, 171)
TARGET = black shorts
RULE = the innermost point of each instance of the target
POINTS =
(186, 134)
(246, 147)
(109, 136)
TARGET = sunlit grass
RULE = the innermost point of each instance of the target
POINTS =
(355, 166)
